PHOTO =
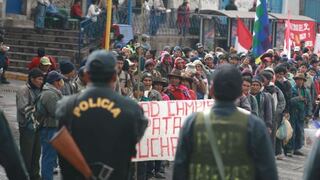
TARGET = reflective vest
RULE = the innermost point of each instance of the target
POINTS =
(232, 138)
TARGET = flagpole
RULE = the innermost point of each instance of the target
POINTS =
(108, 24)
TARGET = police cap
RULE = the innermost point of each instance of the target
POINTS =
(101, 63)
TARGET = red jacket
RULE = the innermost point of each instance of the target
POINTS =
(76, 10)
(179, 93)
(35, 62)
(193, 95)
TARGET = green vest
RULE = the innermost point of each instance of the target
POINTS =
(232, 139)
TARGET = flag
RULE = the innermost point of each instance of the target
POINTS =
(261, 41)
(244, 37)
(287, 39)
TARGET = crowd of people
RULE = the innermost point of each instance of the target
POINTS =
(276, 88)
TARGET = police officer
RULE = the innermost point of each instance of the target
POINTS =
(10, 157)
(225, 142)
(105, 125)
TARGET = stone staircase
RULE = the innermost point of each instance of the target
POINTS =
(24, 42)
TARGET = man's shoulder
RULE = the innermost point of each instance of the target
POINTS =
(125, 100)
(24, 89)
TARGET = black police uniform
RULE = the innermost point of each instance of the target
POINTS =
(10, 157)
(105, 125)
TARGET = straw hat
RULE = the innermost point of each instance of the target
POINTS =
(300, 76)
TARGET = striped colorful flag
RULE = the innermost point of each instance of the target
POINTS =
(261, 40)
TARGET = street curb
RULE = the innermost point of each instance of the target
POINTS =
(16, 76)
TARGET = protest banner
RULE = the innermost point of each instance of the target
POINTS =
(302, 30)
(166, 118)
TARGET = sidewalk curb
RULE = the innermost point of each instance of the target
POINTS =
(16, 76)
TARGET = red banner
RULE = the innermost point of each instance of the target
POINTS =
(302, 30)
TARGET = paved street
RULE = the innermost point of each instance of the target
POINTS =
(289, 169)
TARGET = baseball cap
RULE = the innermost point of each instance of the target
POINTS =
(54, 76)
(45, 61)
(100, 62)
(199, 45)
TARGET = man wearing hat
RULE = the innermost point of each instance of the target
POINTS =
(309, 84)
(159, 84)
(300, 110)
(45, 64)
(35, 61)
(200, 50)
(68, 70)
(278, 100)
(264, 101)
(49, 97)
(29, 138)
(175, 90)
(149, 67)
(207, 147)
(187, 81)
(105, 125)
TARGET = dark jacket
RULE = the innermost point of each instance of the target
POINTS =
(10, 157)
(68, 88)
(259, 145)
(25, 97)
(105, 125)
(254, 105)
(278, 102)
(244, 103)
(285, 87)
(265, 108)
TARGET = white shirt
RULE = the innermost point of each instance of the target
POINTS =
(93, 12)
(45, 2)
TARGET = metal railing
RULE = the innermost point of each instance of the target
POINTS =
(158, 22)
(91, 31)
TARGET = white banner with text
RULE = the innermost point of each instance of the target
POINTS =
(166, 118)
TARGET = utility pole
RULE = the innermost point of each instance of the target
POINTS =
(108, 24)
